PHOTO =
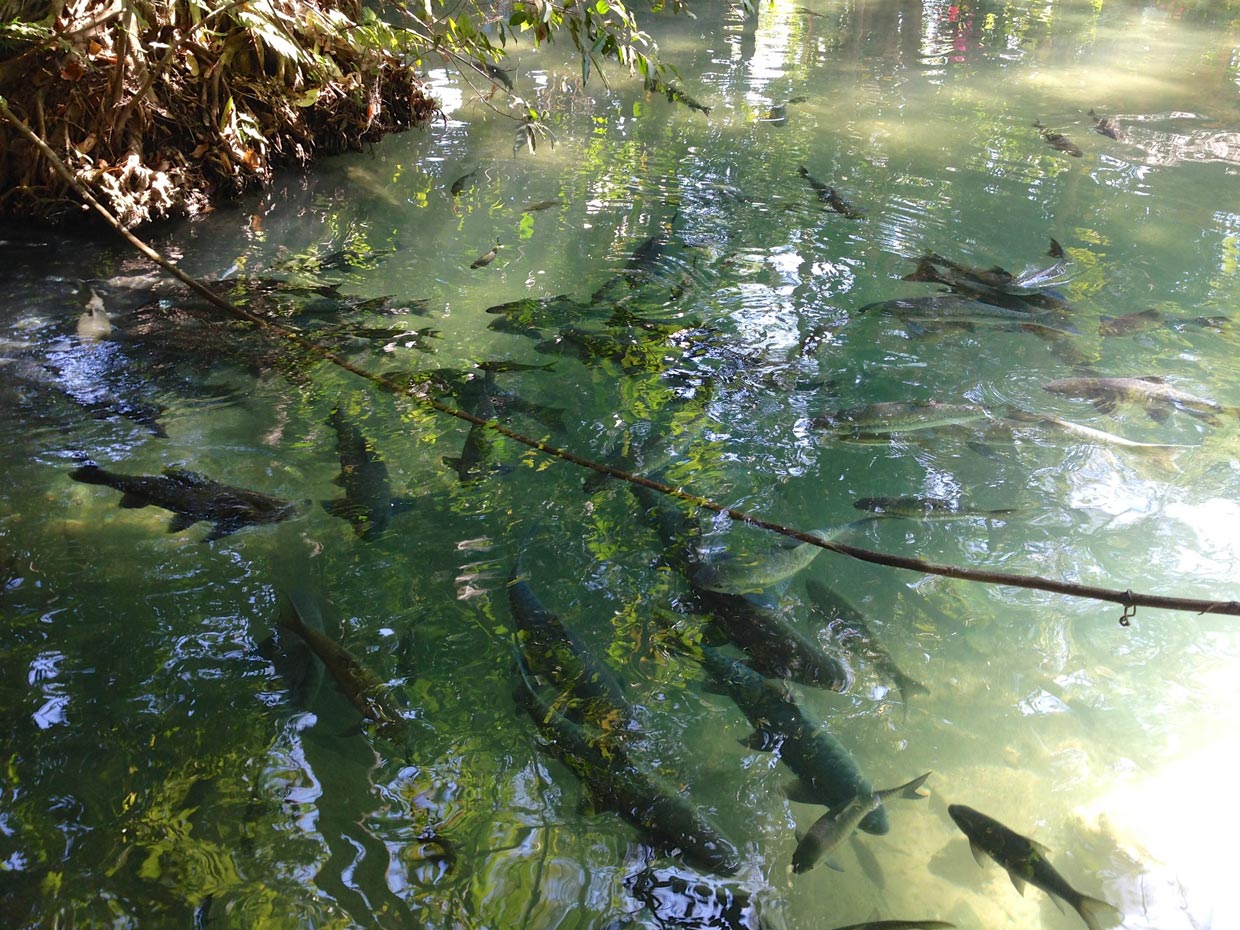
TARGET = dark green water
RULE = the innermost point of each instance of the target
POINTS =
(158, 771)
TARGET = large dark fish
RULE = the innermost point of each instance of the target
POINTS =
(192, 498)
(616, 784)
(827, 772)
(848, 627)
(774, 646)
(360, 686)
(368, 503)
(830, 196)
(590, 690)
(1025, 862)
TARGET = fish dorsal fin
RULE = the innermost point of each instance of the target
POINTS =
(1153, 379)
(1017, 882)
(761, 740)
(800, 792)
(979, 854)
(1056, 250)
(180, 522)
(832, 864)
(1039, 848)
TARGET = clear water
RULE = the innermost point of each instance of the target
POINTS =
(156, 769)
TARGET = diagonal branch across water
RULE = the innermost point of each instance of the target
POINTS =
(1128, 599)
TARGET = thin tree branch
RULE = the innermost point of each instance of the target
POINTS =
(1130, 600)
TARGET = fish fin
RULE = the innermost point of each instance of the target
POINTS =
(1106, 404)
(832, 864)
(1158, 412)
(453, 462)
(800, 792)
(1019, 884)
(1056, 250)
(1092, 911)
(760, 740)
(1153, 379)
(910, 688)
(912, 790)
(132, 501)
(179, 522)
(1040, 848)
(979, 854)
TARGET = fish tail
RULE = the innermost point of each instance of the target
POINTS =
(1093, 912)
(911, 791)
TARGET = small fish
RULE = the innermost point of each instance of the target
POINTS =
(464, 182)
(1161, 452)
(486, 257)
(830, 196)
(925, 508)
(1131, 323)
(833, 827)
(1155, 395)
(1025, 862)
(898, 417)
(540, 205)
(1107, 126)
(192, 498)
(1059, 142)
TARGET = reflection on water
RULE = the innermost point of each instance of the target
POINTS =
(686, 303)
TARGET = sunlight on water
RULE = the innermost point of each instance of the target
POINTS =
(705, 298)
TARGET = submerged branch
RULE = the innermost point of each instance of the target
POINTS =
(1130, 600)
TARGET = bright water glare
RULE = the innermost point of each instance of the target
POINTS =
(176, 757)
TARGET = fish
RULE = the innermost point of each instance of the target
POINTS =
(464, 182)
(1162, 452)
(1025, 862)
(830, 196)
(293, 658)
(540, 205)
(848, 627)
(826, 771)
(1006, 295)
(361, 687)
(675, 94)
(191, 498)
(590, 690)
(961, 310)
(1130, 323)
(471, 463)
(925, 508)
(1107, 126)
(486, 257)
(898, 417)
(1154, 394)
(94, 323)
(615, 783)
(994, 277)
(1051, 274)
(743, 575)
(1059, 142)
(368, 502)
(833, 827)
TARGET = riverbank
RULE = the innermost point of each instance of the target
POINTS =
(163, 110)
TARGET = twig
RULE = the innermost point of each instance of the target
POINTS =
(1130, 600)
